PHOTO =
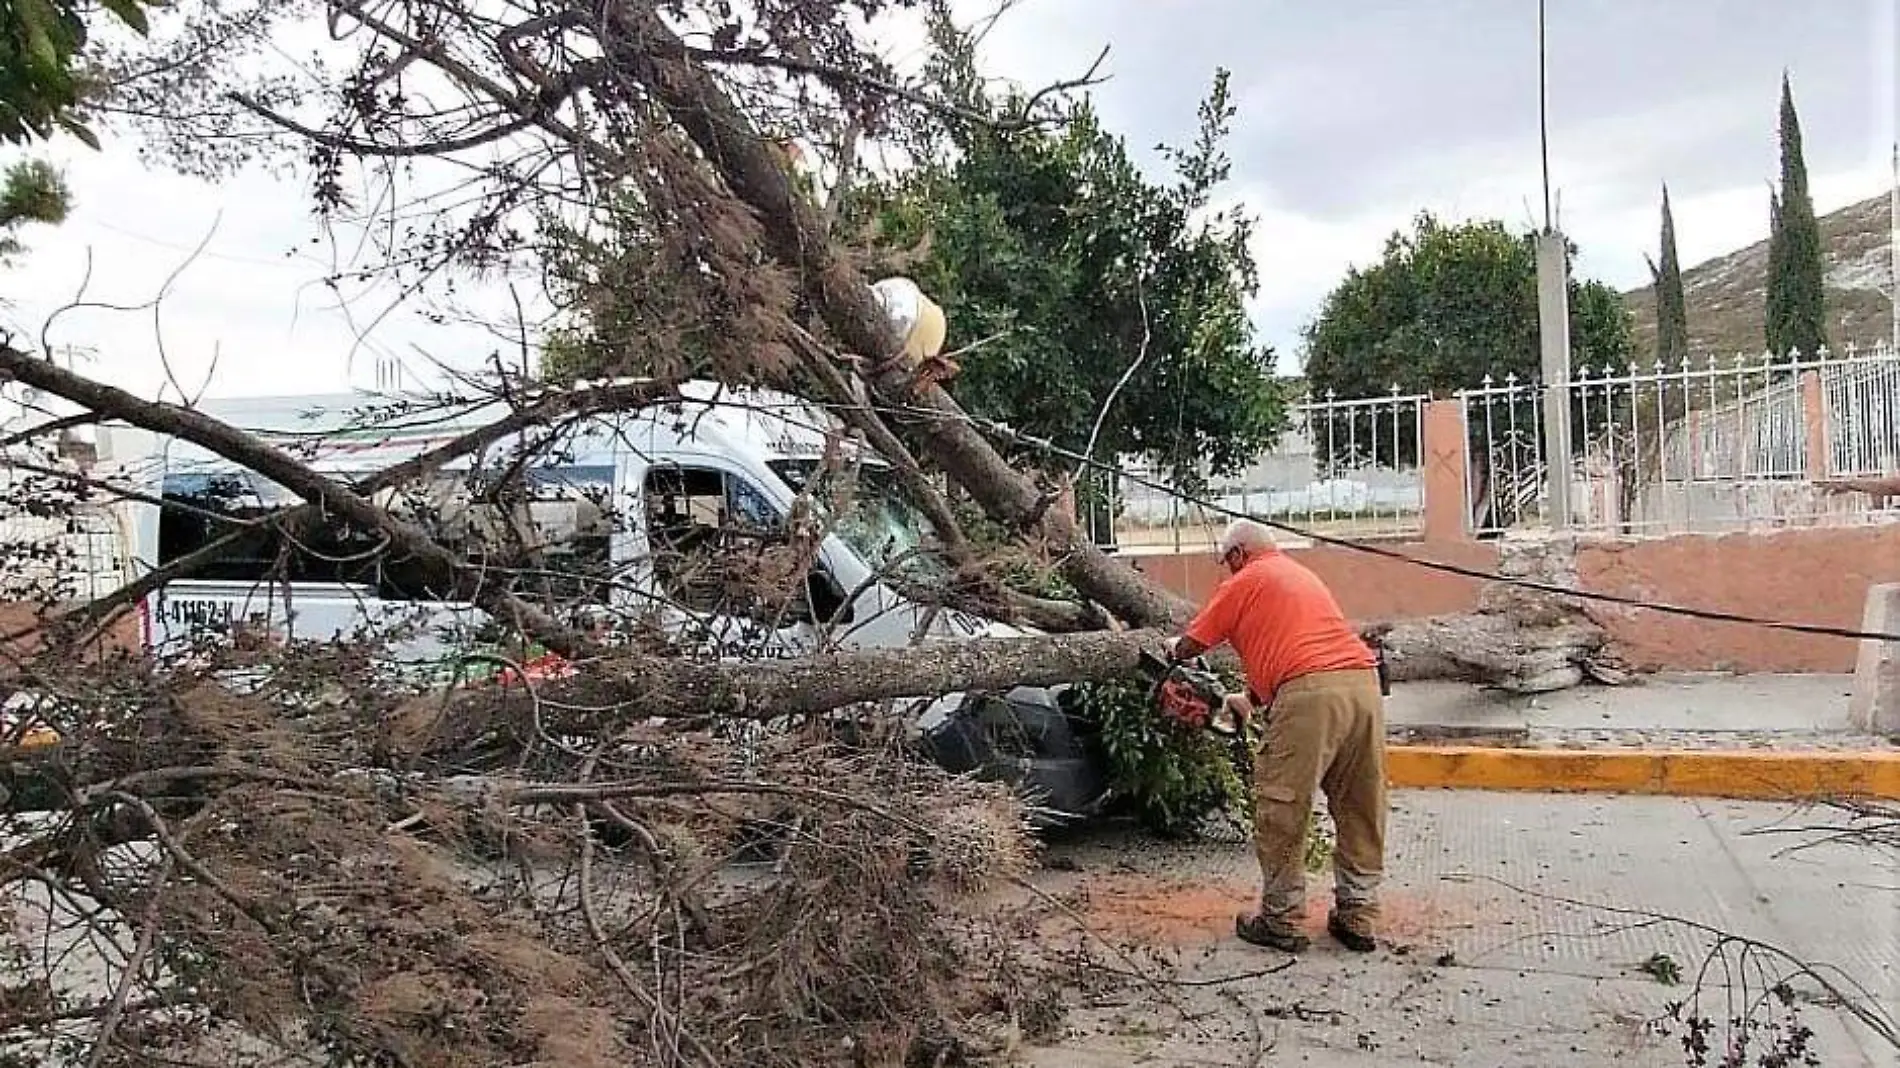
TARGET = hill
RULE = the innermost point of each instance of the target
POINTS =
(1725, 295)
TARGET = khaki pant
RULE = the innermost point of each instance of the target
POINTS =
(1324, 730)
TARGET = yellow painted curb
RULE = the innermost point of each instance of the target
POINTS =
(1750, 773)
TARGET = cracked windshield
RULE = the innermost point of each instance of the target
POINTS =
(878, 523)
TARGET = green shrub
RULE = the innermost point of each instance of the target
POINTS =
(1174, 777)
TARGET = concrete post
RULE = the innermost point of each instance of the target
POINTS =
(1553, 327)
(1446, 482)
(1875, 706)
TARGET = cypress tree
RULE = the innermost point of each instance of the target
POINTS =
(1672, 311)
(1796, 313)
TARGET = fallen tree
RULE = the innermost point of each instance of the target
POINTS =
(1518, 640)
(579, 911)
(288, 852)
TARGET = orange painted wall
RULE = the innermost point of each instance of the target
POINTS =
(122, 636)
(1368, 587)
(1808, 576)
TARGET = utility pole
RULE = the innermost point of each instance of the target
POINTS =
(1893, 247)
(1553, 316)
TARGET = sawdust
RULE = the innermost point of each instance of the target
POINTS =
(1171, 911)
(1175, 911)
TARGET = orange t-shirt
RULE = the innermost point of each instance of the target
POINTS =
(1282, 621)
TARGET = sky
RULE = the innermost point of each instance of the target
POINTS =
(1353, 116)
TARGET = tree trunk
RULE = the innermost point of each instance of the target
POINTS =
(605, 695)
(640, 46)
(615, 693)
(1493, 650)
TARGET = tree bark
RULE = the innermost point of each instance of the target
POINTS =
(616, 693)
(640, 46)
(1490, 649)
(1881, 489)
(606, 695)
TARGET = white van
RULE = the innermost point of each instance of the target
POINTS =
(632, 512)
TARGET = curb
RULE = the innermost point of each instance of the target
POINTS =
(1745, 774)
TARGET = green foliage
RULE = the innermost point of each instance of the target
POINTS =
(635, 315)
(1176, 777)
(1173, 775)
(645, 296)
(41, 83)
(1060, 266)
(32, 191)
(1445, 306)
(1320, 846)
(1672, 311)
(1796, 316)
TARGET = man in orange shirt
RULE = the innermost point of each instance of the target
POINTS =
(1325, 728)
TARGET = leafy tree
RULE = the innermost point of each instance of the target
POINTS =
(32, 191)
(1060, 267)
(1672, 311)
(1447, 305)
(1796, 319)
(1444, 307)
(1068, 278)
(41, 83)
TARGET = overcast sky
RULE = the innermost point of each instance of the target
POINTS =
(1353, 115)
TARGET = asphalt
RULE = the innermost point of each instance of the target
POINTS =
(1518, 927)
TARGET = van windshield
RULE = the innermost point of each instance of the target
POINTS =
(879, 524)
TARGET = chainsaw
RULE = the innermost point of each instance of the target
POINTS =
(1189, 694)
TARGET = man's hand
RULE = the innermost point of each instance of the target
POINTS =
(1183, 648)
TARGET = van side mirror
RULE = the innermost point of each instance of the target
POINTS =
(825, 600)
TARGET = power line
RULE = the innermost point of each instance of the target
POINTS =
(1051, 448)
(1708, 614)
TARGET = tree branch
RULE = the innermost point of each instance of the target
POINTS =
(638, 44)
(836, 77)
(324, 492)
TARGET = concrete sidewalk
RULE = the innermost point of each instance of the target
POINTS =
(1490, 963)
(1768, 737)
(1696, 711)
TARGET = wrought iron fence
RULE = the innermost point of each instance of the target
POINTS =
(1863, 405)
(1709, 445)
(1345, 467)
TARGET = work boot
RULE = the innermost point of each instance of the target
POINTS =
(1272, 932)
(1353, 928)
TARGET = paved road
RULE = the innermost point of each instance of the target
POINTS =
(1490, 966)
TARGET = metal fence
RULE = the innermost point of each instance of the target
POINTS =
(1863, 404)
(1711, 445)
(1342, 467)
(77, 557)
